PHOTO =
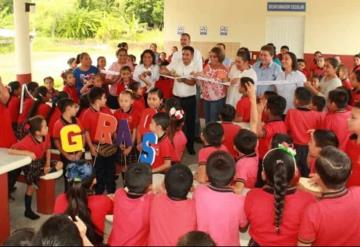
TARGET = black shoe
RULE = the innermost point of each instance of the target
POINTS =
(31, 215)
(191, 150)
(198, 140)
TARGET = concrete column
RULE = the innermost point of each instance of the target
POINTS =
(22, 42)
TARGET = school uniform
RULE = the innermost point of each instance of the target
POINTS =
(230, 131)
(14, 108)
(139, 104)
(271, 128)
(145, 120)
(337, 122)
(170, 219)
(166, 86)
(99, 206)
(243, 108)
(164, 150)
(132, 117)
(179, 143)
(35, 170)
(352, 149)
(60, 123)
(55, 116)
(43, 110)
(206, 151)
(259, 210)
(7, 135)
(220, 213)
(247, 170)
(131, 224)
(71, 92)
(298, 122)
(333, 220)
(26, 108)
(104, 166)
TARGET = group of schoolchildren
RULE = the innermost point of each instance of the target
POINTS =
(246, 178)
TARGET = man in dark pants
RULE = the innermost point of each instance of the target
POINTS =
(185, 90)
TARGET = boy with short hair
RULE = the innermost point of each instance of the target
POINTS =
(333, 220)
(299, 121)
(245, 143)
(132, 208)
(337, 116)
(172, 215)
(243, 105)
(104, 166)
(219, 211)
(212, 136)
(164, 149)
(227, 116)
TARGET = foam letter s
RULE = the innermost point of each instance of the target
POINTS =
(148, 153)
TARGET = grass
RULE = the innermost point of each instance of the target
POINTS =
(49, 55)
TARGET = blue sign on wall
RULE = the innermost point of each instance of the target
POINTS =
(286, 6)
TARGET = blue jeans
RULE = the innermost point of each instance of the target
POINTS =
(212, 109)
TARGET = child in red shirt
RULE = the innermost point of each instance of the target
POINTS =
(218, 198)
(172, 215)
(154, 100)
(120, 85)
(212, 136)
(49, 84)
(245, 144)
(299, 121)
(343, 74)
(243, 106)
(333, 219)
(302, 68)
(278, 226)
(318, 69)
(91, 209)
(355, 82)
(131, 224)
(227, 116)
(36, 145)
(13, 103)
(176, 135)
(318, 103)
(319, 139)
(138, 91)
(69, 88)
(68, 109)
(337, 117)
(164, 150)
(128, 112)
(353, 146)
(104, 166)
(55, 111)
(40, 106)
(274, 110)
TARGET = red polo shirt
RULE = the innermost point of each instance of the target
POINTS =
(14, 108)
(26, 108)
(60, 123)
(43, 110)
(243, 108)
(271, 128)
(337, 122)
(170, 220)
(7, 136)
(72, 93)
(164, 151)
(99, 206)
(139, 104)
(299, 121)
(132, 117)
(206, 151)
(145, 120)
(131, 224)
(333, 220)
(230, 131)
(352, 149)
(29, 143)
(259, 210)
(55, 116)
(89, 120)
(355, 97)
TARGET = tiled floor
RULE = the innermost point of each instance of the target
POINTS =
(17, 206)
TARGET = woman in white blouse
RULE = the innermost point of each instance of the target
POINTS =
(241, 68)
(147, 72)
(290, 73)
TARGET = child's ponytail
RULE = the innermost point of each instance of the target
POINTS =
(40, 94)
(176, 120)
(279, 167)
(280, 186)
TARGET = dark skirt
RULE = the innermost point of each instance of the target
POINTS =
(35, 170)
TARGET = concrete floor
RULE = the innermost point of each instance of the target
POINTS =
(17, 207)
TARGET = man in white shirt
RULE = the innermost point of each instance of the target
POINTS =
(185, 90)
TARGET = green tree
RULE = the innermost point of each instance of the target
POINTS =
(6, 4)
(148, 11)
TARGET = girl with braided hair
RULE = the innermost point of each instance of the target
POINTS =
(274, 211)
